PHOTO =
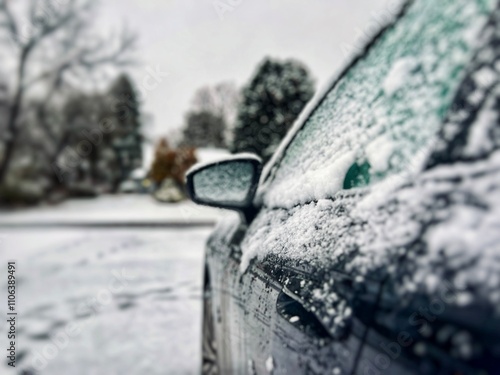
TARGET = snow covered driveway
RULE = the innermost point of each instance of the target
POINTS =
(104, 301)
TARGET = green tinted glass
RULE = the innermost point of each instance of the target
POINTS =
(384, 113)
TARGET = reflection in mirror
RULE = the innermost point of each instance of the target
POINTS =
(225, 183)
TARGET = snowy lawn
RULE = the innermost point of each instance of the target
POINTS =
(105, 301)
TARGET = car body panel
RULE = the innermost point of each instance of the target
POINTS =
(253, 332)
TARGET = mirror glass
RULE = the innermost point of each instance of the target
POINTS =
(228, 183)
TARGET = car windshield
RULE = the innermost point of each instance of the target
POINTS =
(380, 119)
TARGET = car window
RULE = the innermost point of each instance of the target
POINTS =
(382, 116)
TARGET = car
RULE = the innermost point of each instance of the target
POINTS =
(370, 242)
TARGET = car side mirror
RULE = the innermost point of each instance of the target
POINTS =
(230, 183)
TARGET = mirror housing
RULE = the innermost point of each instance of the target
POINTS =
(230, 183)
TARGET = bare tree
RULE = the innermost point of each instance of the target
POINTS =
(54, 48)
(221, 101)
(203, 129)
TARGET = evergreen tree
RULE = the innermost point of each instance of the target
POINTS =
(270, 103)
(127, 138)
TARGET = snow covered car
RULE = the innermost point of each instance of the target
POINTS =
(370, 243)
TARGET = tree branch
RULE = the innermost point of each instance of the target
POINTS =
(73, 43)
(10, 22)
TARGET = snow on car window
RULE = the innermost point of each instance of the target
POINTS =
(387, 109)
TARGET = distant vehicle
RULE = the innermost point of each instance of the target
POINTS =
(137, 183)
(129, 186)
(370, 243)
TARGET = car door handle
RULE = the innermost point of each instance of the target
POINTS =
(292, 310)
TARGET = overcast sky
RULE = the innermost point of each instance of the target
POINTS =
(199, 42)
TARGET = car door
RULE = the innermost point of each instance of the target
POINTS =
(315, 257)
(263, 326)
(288, 328)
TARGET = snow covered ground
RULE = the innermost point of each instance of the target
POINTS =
(114, 209)
(108, 301)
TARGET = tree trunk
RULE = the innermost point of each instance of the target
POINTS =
(13, 116)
